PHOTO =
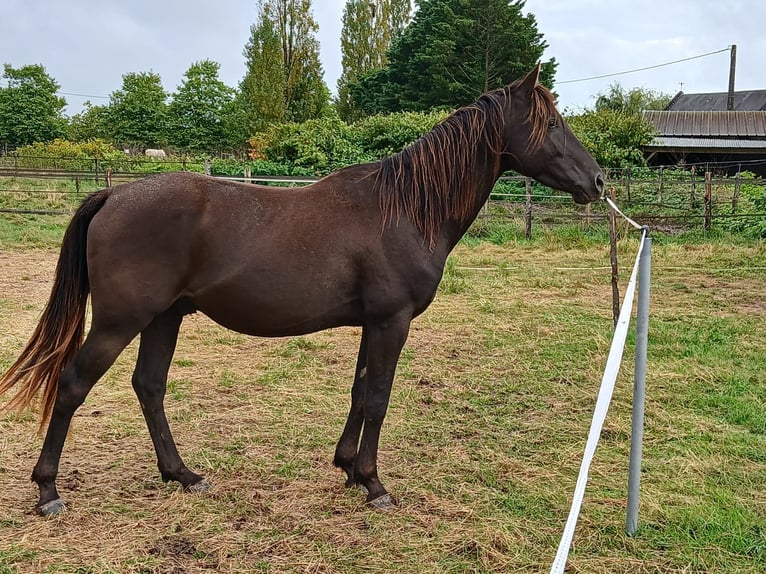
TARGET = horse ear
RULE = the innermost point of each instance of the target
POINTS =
(529, 82)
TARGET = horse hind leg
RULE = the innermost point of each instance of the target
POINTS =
(346, 450)
(99, 350)
(158, 342)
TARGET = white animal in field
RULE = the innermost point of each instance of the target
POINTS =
(155, 153)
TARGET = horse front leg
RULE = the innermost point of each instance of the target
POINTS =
(386, 340)
(345, 452)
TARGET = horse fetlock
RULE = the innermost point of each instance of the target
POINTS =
(45, 476)
(183, 475)
(347, 466)
(372, 487)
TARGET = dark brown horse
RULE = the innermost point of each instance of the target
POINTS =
(364, 246)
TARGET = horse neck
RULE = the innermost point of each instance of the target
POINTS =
(487, 171)
(442, 180)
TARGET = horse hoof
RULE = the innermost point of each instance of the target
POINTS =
(201, 486)
(385, 502)
(52, 508)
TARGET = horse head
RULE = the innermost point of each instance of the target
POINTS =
(539, 143)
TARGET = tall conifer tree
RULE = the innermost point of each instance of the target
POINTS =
(369, 27)
(452, 52)
(284, 78)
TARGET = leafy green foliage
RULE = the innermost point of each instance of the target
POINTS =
(261, 99)
(321, 145)
(752, 202)
(368, 30)
(68, 155)
(325, 144)
(632, 101)
(452, 52)
(263, 167)
(284, 79)
(613, 138)
(91, 123)
(138, 111)
(196, 113)
(383, 135)
(30, 110)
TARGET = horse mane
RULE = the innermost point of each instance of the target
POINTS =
(436, 178)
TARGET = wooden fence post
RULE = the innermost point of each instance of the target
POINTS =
(613, 260)
(693, 192)
(528, 209)
(708, 200)
(660, 186)
(108, 177)
(735, 197)
(627, 184)
(95, 169)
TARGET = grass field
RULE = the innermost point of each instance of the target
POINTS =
(488, 420)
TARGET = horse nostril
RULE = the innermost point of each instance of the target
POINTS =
(600, 183)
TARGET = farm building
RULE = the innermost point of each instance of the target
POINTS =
(698, 128)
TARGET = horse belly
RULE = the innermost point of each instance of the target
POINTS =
(280, 310)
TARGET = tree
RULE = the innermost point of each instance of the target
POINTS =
(632, 101)
(91, 123)
(284, 78)
(138, 111)
(452, 52)
(30, 110)
(614, 138)
(196, 113)
(261, 97)
(368, 30)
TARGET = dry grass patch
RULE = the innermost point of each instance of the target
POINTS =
(482, 444)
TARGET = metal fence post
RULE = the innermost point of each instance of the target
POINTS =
(639, 385)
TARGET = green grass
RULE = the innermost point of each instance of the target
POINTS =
(488, 420)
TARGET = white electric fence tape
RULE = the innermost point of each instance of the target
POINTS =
(602, 404)
(625, 217)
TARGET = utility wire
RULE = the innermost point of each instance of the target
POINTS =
(4, 84)
(82, 95)
(645, 68)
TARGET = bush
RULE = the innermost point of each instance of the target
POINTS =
(750, 219)
(613, 138)
(236, 168)
(320, 145)
(64, 154)
(383, 135)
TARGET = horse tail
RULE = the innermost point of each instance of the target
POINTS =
(59, 333)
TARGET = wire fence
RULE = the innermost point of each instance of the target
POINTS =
(669, 200)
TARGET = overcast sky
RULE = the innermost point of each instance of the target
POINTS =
(87, 45)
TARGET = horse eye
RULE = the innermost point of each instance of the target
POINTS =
(551, 123)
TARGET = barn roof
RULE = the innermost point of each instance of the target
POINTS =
(716, 124)
(700, 125)
(748, 100)
(707, 145)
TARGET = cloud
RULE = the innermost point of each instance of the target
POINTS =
(87, 45)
